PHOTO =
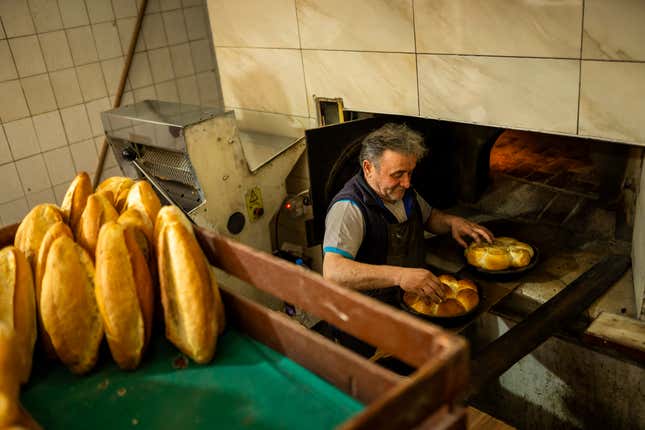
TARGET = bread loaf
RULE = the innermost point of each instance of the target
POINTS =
(143, 198)
(124, 294)
(119, 186)
(76, 198)
(18, 306)
(461, 299)
(193, 312)
(503, 253)
(143, 230)
(32, 229)
(97, 212)
(68, 305)
(55, 231)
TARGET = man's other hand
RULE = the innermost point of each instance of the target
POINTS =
(423, 283)
(461, 228)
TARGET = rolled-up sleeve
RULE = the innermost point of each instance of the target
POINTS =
(344, 229)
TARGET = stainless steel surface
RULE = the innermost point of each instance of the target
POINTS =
(260, 148)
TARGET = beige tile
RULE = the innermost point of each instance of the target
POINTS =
(84, 156)
(45, 15)
(161, 65)
(110, 161)
(108, 44)
(170, 4)
(73, 13)
(11, 186)
(5, 152)
(612, 101)
(167, 91)
(535, 94)
(153, 31)
(182, 61)
(196, 22)
(145, 93)
(2, 34)
(112, 70)
(202, 55)
(49, 129)
(59, 165)
(66, 88)
(140, 74)
(7, 66)
(14, 211)
(11, 90)
(99, 10)
(44, 196)
(366, 81)
(60, 190)
(188, 3)
(249, 23)
(112, 171)
(271, 123)
(154, 6)
(175, 26)
(90, 79)
(39, 94)
(94, 110)
(124, 8)
(269, 80)
(126, 28)
(77, 125)
(22, 139)
(499, 27)
(614, 30)
(82, 45)
(27, 55)
(33, 174)
(56, 50)
(16, 18)
(351, 25)
(188, 90)
(210, 93)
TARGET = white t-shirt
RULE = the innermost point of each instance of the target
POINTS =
(345, 226)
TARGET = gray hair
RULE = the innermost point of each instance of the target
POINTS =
(395, 137)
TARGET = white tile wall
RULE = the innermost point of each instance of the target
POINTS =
(7, 66)
(33, 174)
(60, 65)
(59, 192)
(66, 87)
(45, 15)
(76, 122)
(56, 50)
(27, 55)
(22, 139)
(90, 80)
(39, 94)
(5, 153)
(49, 129)
(614, 30)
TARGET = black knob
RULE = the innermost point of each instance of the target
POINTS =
(129, 154)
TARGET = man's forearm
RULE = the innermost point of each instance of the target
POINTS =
(439, 222)
(359, 276)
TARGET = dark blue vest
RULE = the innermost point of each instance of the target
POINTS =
(376, 241)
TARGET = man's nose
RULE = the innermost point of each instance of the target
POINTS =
(405, 181)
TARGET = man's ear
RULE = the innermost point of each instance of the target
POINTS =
(367, 167)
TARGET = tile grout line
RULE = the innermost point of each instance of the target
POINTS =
(302, 62)
(416, 58)
(582, 32)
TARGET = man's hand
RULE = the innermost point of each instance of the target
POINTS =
(423, 283)
(461, 227)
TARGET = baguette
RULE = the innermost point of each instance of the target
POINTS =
(189, 292)
(32, 229)
(143, 228)
(55, 231)
(97, 212)
(119, 186)
(68, 305)
(142, 197)
(76, 198)
(124, 294)
(18, 305)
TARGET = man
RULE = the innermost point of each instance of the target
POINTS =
(374, 225)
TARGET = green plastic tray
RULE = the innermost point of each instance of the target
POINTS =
(248, 386)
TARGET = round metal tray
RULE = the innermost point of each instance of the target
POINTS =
(442, 321)
(508, 272)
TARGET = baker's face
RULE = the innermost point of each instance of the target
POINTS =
(392, 176)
